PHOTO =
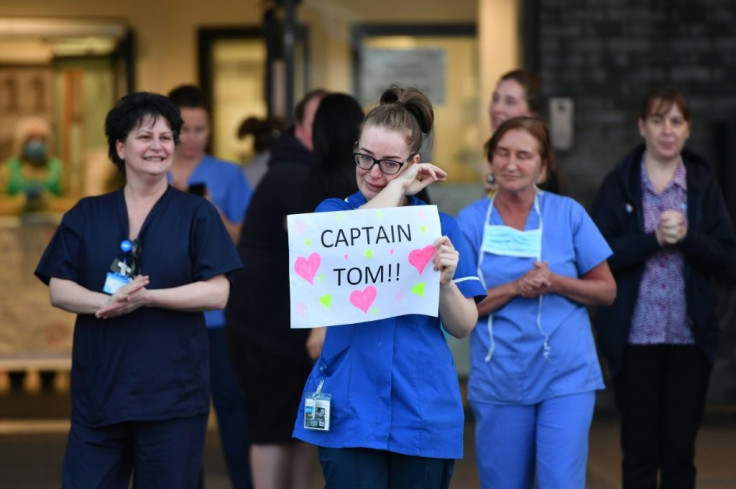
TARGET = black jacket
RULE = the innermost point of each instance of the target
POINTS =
(709, 249)
(259, 293)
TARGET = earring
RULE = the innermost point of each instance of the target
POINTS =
(490, 179)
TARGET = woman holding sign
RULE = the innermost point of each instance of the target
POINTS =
(383, 401)
(533, 365)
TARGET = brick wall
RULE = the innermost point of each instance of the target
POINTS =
(606, 55)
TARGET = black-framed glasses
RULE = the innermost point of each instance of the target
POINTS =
(387, 167)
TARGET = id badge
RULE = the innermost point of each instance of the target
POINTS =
(317, 411)
(113, 282)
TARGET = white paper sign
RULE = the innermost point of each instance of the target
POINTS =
(362, 265)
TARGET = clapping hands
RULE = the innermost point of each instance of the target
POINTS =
(126, 299)
(671, 228)
(535, 282)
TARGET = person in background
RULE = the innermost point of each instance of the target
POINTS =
(518, 93)
(271, 359)
(223, 184)
(335, 132)
(138, 266)
(533, 364)
(336, 129)
(32, 179)
(664, 216)
(396, 411)
(264, 132)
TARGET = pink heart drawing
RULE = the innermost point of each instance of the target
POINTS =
(391, 251)
(362, 299)
(420, 257)
(307, 269)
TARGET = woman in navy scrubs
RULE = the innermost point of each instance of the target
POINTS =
(138, 266)
(396, 413)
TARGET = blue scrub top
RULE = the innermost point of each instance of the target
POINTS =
(152, 363)
(393, 382)
(518, 372)
(230, 193)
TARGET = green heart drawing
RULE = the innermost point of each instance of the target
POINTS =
(326, 300)
(368, 254)
(308, 242)
(320, 278)
(339, 216)
(423, 228)
(374, 310)
(418, 289)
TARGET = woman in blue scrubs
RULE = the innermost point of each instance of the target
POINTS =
(396, 413)
(534, 369)
(138, 266)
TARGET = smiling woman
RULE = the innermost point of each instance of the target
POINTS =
(131, 323)
(663, 214)
(148, 149)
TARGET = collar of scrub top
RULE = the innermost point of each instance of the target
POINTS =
(489, 212)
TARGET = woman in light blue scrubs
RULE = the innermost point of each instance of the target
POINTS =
(396, 413)
(533, 364)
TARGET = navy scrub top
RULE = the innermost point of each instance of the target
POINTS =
(152, 363)
(393, 381)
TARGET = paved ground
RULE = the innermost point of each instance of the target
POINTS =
(33, 431)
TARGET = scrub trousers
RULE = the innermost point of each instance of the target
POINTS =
(661, 394)
(364, 468)
(161, 453)
(549, 440)
(231, 409)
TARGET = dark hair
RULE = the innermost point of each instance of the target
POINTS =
(659, 101)
(536, 128)
(264, 131)
(129, 113)
(335, 130)
(302, 104)
(404, 109)
(190, 96)
(532, 86)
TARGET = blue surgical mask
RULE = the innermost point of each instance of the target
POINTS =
(507, 241)
(35, 150)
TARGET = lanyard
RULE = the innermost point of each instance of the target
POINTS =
(482, 252)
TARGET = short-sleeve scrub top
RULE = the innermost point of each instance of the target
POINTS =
(518, 371)
(393, 381)
(153, 363)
